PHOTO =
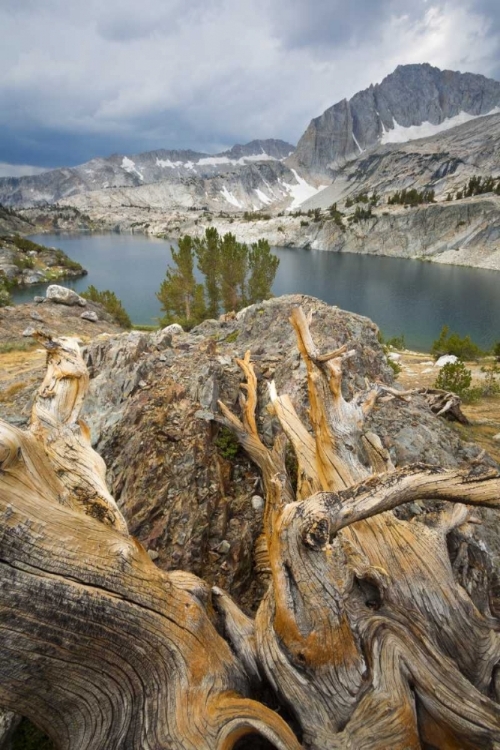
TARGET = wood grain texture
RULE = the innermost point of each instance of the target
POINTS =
(363, 633)
(99, 647)
(364, 630)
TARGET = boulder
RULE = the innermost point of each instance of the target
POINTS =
(89, 315)
(446, 359)
(64, 296)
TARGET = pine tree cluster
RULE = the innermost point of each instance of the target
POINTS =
(234, 274)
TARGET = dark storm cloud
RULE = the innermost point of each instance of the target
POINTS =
(85, 79)
(329, 22)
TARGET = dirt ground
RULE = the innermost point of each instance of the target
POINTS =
(419, 371)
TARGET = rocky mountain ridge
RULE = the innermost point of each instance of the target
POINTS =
(122, 171)
(414, 101)
(443, 162)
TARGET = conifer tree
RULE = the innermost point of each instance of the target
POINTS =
(207, 250)
(180, 295)
(263, 266)
(234, 276)
(232, 272)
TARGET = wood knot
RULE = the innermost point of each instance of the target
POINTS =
(317, 534)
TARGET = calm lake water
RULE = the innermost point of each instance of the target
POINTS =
(402, 296)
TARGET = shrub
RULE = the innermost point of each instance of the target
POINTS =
(452, 343)
(411, 197)
(491, 386)
(111, 304)
(361, 214)
(4, 290)
(395, 366)
(227, 444)
(496, 350)
(397, 342)
(455, 377)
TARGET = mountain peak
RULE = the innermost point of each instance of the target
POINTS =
(414, 101)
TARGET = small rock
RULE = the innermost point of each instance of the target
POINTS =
(172, 329)
(142, 384)
(38, 300)
(89, 315)
(497, 437)
(394, 356)
(204, 414)
(64, 296)
(447, 359)
(153, 554)
(36, 316)
(257, 502)
(224, 547)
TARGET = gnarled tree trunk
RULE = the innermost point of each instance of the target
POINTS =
(363, 632)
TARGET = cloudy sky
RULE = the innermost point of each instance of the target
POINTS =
(81, 79)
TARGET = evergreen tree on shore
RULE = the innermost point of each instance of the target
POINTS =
(234, 276)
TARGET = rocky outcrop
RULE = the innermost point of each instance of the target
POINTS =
(189, 494)
(465, 232)
(23, 263)
(249, 187)
(444, 162)
(12, 222)
(411, 97)
(460, 233)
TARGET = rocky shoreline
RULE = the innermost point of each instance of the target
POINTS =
(24, 263)
(462, 232)
(465, 232)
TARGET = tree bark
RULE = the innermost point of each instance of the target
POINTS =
(363, 633)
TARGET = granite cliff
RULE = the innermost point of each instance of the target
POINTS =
(414, 101)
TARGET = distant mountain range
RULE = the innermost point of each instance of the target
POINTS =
(420, 127)
(122, 171)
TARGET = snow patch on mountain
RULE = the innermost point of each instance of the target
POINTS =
(401, 134)
(230, 197)
(357, 143)
(215, 160)
(129, 166)
(263, 197)
(164, 163)
(300, 192)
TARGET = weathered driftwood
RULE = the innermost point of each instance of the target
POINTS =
(445, 404)
(98, 646)
(363, 632)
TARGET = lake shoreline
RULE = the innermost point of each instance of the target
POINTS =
(458, 233)
(414, 299)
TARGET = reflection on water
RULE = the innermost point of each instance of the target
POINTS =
(401, 296)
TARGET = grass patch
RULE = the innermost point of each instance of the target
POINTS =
(21, 345)
(232, 337)
(147, 328)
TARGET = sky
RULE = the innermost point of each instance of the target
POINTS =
(84, 79)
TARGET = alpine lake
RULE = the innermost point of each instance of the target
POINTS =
(401, 296)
